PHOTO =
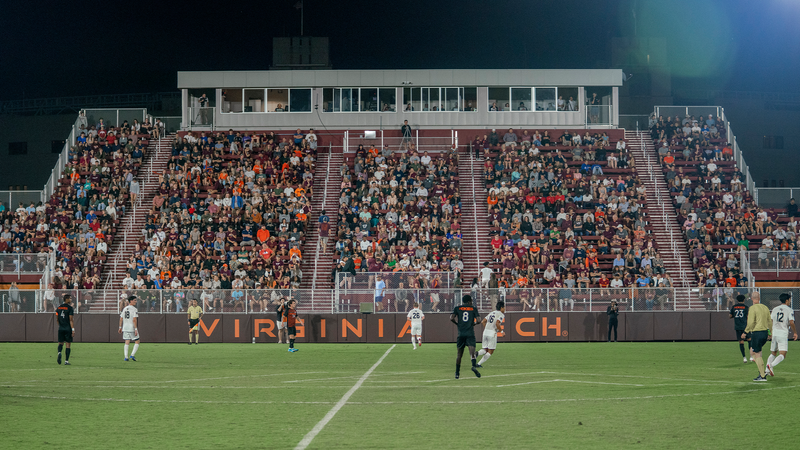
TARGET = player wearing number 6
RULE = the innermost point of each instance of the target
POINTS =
(492, 326)
(782, 320)
(416, 317)
(129, 326)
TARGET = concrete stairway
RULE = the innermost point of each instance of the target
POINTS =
(663, 217)
(156, 160)
(474, 216)
(317, 265)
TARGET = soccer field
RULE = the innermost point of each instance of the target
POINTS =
(562, 395)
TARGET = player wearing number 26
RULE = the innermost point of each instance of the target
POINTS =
(415, 316)
(782, 319)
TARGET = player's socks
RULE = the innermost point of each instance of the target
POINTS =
(414, 342)
(197, 338)
(485, 358)
(291, 343)
(190, 338)
(770, 359)
(135, 347)
(419, 341)
(760, 365)
(67, 359)
(126, 352)
(60, 347)
(482, 352)
(741, 347)
(474, 361)
(774, 363)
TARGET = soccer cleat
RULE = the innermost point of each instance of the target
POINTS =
(190, 343)
(66, 363)
(751, 359)
(769, 371)
(58, 360)
(457, 375)
(295, 350)
(475, 371)
(745, 360)
(126, 359)
(759, 378)
(479, 366)
(132, 358)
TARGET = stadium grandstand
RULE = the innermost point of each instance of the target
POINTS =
(517, 185)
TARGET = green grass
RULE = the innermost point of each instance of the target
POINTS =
(563, 395)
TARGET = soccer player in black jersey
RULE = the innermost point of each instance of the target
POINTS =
(66, 327)
(465, 316)
(739, 315)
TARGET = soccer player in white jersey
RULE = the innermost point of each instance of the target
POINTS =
(491, 326)
(782, 320)
(129, 326)
(416, 317)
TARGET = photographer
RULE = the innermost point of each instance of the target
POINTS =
(612, 311)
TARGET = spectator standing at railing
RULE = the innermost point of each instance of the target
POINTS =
(613, 312)
(405, 131)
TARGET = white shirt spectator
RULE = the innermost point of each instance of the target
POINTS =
(152, 273)
(127, 283)
(425, 160)
(422, 192)
(711, 166)
(727, 198)
(779, 234)
(767, 242)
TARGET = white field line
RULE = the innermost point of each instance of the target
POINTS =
(573, 381)
(319, 426)
(349, 377)
(557, 400)
(239, 376)
(541, 372)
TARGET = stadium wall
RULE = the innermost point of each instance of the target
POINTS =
(379, 328)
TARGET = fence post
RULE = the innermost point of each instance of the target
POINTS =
(590, 299)
(161, 301)
(245, 300)
(633, 299)
(674, 299)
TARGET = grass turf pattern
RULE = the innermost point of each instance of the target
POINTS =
(556, 395)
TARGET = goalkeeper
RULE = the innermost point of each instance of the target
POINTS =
(195, 313)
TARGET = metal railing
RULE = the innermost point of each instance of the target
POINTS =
(773, 261)
(263, 301)
(421, 142)
(19, 264)
(201, 117)
(777, 197)
(12, 199)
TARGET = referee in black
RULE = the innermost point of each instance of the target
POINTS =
(612, 311)
(66, 327)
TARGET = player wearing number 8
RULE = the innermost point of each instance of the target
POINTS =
(782, 319)
(129, 326)
(416, 316)
(465, 316)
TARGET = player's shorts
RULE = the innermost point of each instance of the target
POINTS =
(779, 343)
(416, 330)
(465, 341)
(489, 341)
(193, 322)
(757, 340)
(130, 335)
(64, 335)
(739, 335)
(281, 324)
(291, 331)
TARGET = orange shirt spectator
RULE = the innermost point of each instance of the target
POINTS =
(491, 200)
(295, 252)
(257, 168)
(266, 253)
(669, 159)
(522, 282)
(299, 192)
(263, 235)
(301, 216)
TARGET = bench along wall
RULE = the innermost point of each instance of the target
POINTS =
(385, 328)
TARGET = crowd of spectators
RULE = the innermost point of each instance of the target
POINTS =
(230, 215)
(566, 212)
(400, 213)
(715, 211)
(79, 220)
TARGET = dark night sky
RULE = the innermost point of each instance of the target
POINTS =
(57, 48)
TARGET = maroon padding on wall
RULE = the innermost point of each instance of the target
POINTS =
(264, 328)
(229, 325)
(639, 326)
(583, 326)
(554, 326)
(523, 327)
(353, 327)
(212, 327)
(177, 329)
(40, 328)
(152, 327)
(667, 327)
(94, 327)
(313, 324)
(12, 327)
(696, 326)
(380, 327)
(722, 328)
